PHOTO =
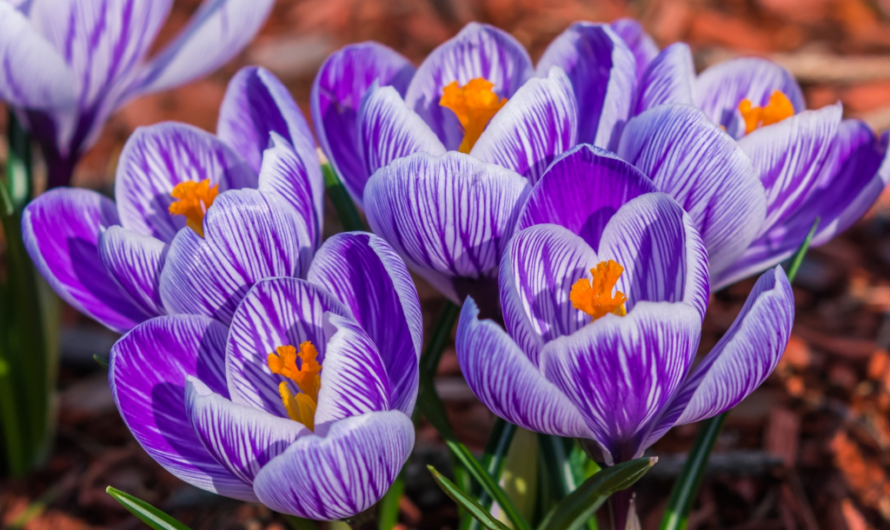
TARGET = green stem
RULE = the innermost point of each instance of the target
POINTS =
(346, 211)
(388, 507)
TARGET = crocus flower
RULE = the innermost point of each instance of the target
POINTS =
(105, 257)
(605, 355)
(478, 94)
(68, 64)
(303, 402)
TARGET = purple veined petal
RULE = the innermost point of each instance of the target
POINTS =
(257, 104)
(508, 382)
(449, 216)
(157, 158)
(669, 79)
(147, 374)
(582, 190)
(353, 376)
(296, 180)
(740, 362)
(640, 43)
(337, 92)
(365, 274)
(389, 130)
(134, 261)
(539, 123)
(479, 50)
(662, 253)
(241, 438)
(217, 31)
(340, 472)
(603, 73)
(621, 371)
(60, 230)
(34, 73)
(248, 236)
(276, 312)
(789, 156)
(537, 272)
(719, 90)
(703, 169)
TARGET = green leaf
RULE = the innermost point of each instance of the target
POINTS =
(499, 441)
(102, 361)
(471, 506)
(343, 204)
(581, 504)
(146, 512)
(797, 259)
(299, 523)
(388, 507)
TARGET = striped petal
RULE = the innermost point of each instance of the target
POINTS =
(337, 92)
(341, 472)
(248, 236)
(449, 217)
(603, 73)
(669, 79)
(134, 261)
(582, 190)
(147, 374)
(703, 169)
(479, 50)
(621, 371)
(640, 43)
(366, 275)
(61, 230)
(533, 128)
(156, 159)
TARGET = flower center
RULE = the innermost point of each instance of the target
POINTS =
(778, 108)
(301, 406)
(474, 104)
(595, 297)
(192, 201)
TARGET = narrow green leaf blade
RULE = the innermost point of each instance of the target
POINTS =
(146, 512)
(343, 205)
(797, 259)
(388, 508)
(471, 506)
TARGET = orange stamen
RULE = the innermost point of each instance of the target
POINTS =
(193, 200)
(778, 108)
(474, 104)
(300, 407)
(595, 297)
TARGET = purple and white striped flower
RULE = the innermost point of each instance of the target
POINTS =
(477, 93)
(303, 402)
(605, 356)
(68, 64)
(106, 258)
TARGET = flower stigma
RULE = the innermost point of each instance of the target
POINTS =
(595, 297)
(474, 104)
(778, 108)
(301, 406)
(192, 201)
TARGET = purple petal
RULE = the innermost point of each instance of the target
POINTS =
(603, 73)
(365, 274)
(449, 216)
(134, 261)
(61, 233)
(217, 31)
(242, 439)
(337, 93)
(670, 78)
(537, 272)
(248, 236)
(257, 104)
(156, 159)
(640, 43)
(789, 156)
(662, 253)
(508, 382)
(479, 50)
(533, 128)
(276, 312)
(620, 371)
(297, 180)
(703, 169)
(34, 74)
(389, 130)
(582, 190)
(341, 472)
(720, 89)
(147, 374)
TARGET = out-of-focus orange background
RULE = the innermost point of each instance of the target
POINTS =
(809, 450)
